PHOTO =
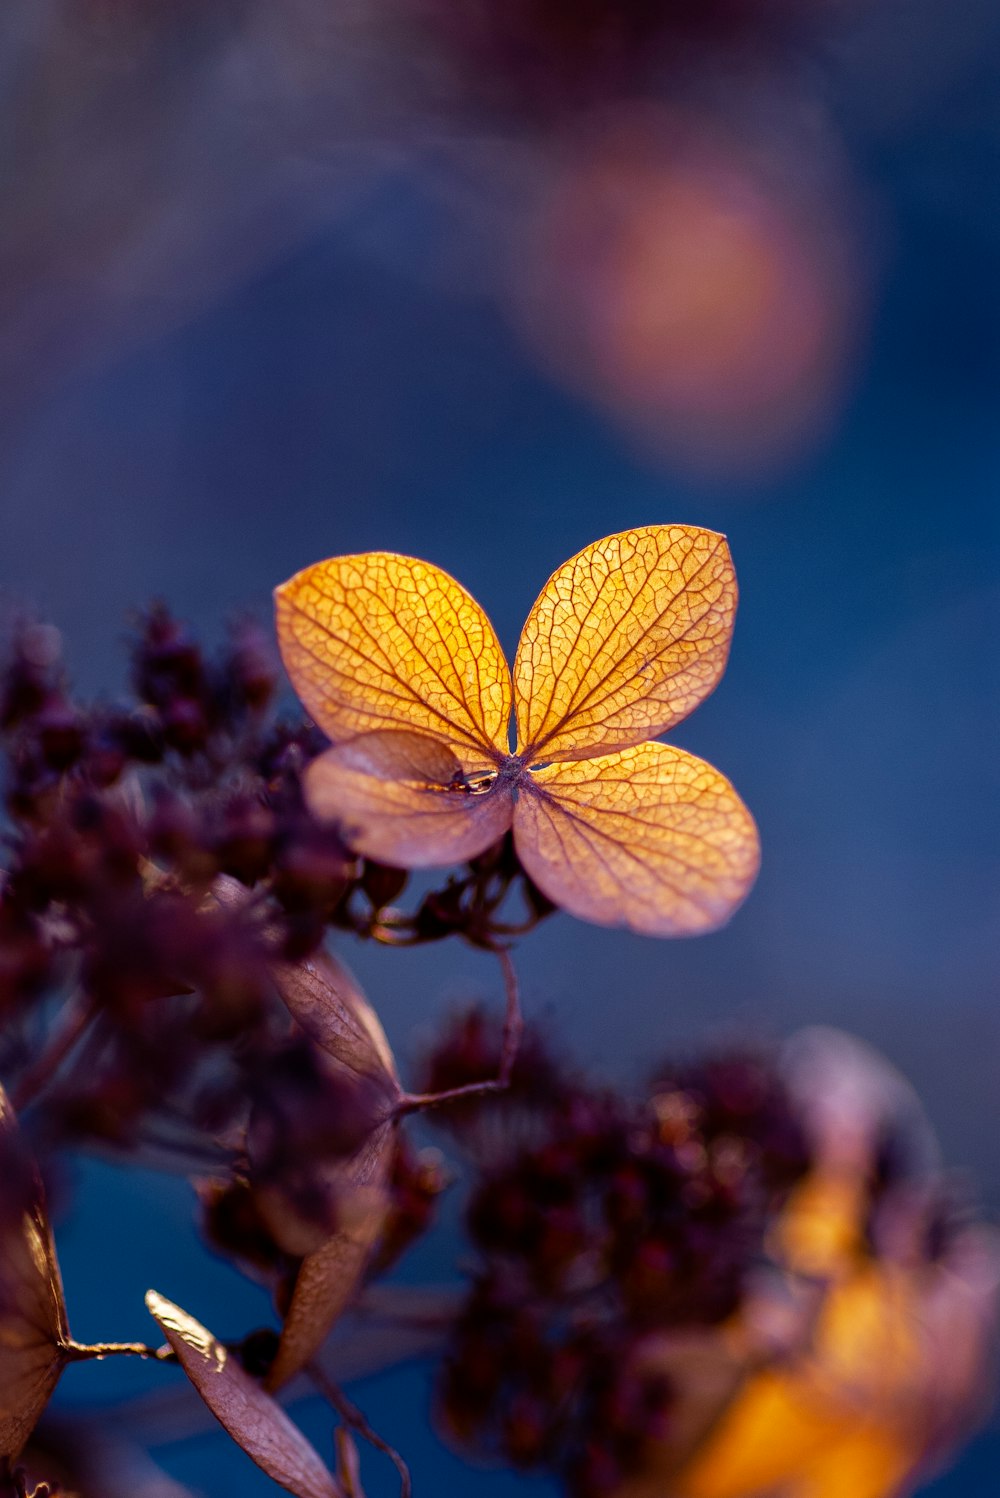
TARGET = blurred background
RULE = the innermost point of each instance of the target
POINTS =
(281, 279)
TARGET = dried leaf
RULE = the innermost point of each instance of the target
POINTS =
(650, 838)
(779, 1438)
(624, 641)
(379, 641)
(252, 1418)
(850, 1097)
(402, 798)
(327, 1001)
(33, 1329)
(329, 1277)
(353, 1051)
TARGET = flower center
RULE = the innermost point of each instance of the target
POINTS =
(511, 771)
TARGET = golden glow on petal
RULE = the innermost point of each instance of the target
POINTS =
(398, 798)
(650, 838)
(776, 1439)
(380, 641)
(820, 1229)
(624, 640)
(403, 670)
(851, 1411)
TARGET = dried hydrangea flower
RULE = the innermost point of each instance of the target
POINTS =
(403, 670)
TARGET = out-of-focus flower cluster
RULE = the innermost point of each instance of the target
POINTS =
(159, 863)
(610, 1217)
(536, 60)
(164, 993)
(752, 1279)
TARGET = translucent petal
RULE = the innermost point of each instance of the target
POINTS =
(624, 640)
(650, 838)
(403, 799)
(329, 1277)
(779, 1439)
(253, 1419)
(33, 1329)
(379, 641)
(324, 997)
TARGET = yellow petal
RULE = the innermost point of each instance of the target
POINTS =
(842, 1418)
(401, 798)
(820, 1231)
(379, 641)
(776, 1440)
(868, 1463)
(650, 838)
(624, 640)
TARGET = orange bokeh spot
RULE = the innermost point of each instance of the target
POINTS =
(694, 293)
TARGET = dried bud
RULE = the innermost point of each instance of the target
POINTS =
(382, 883)
(249, 673)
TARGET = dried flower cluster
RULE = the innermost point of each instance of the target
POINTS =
(661, 1281)
(163, 994)
(599, 1219)
(159, 862)
(753, 1279)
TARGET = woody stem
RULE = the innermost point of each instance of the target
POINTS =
(79, 1352)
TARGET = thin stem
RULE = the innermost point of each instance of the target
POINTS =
(81, 1352)
(513, 1024)
(72, 1022)
(513, 1029)
(348, 1464)
(416, 1102)
(353, 1417)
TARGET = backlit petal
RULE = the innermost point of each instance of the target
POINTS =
(328, 1278)
(650, 838)
(379, 641)
(33, 1329)
(624, 640)
(778, 1439)
(255, 1421)
(400, 798)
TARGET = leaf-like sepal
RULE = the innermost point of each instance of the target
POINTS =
(254, 1420)
(33, 1329)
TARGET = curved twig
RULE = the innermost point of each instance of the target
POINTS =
(513, 1029)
